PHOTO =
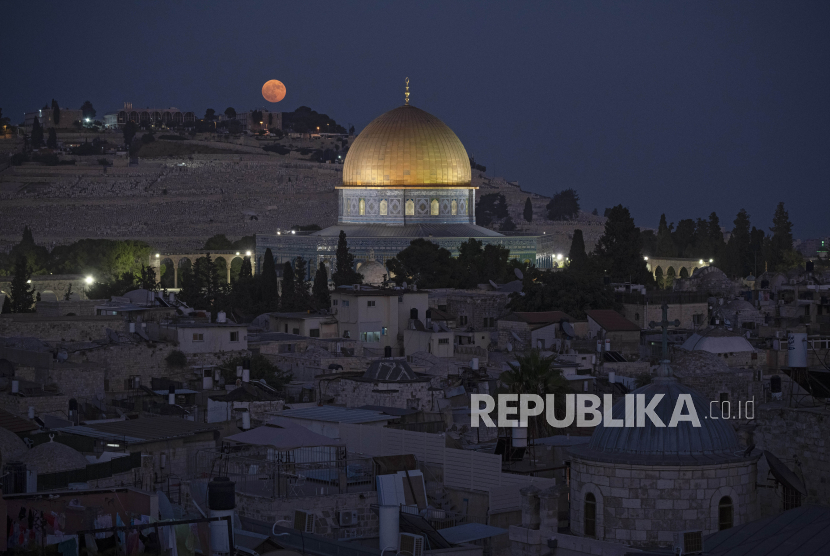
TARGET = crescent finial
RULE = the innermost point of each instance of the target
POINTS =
(406, 94)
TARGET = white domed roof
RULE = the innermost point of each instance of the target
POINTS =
(717, 340)
(12, 448)
(372, 272)
(52, 457)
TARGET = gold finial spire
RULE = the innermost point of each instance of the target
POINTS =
(406, 94)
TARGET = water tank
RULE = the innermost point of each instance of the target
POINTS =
(246, 420)
(31, 412)
(607, 344)
(413, 314)
(474, 363)
(221, 503)
(132, 328)
(520, 437)
(207, 383)
(387, 351)
(246, 375)
(797, 350)
(389, 525)
(221, 317)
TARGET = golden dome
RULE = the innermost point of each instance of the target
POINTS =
(406, 147)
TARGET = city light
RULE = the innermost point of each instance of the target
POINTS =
(293, 232)
(89, 279)
(645, 258)
(701, 261)
(157, 255)
(237, 252)
(247, 253)
(711, 261)
(559, 257)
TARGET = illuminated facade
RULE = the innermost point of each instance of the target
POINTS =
(406, 176)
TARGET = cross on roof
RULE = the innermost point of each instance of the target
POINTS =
(664, 324)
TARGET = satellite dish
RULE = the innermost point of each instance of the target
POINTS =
(568, 329)
(509, 346)
(495, 286)
(518, 273)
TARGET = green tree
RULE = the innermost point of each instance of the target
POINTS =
(52, 141)
(572, 290)
(37, 256)
(210, 114)
(114, 287)
(490, 207)
(423, 263)
(269, 287)
(534, 374)
(130, 129)
(619, 252)
(758, 249)
(68, 295)
(507, 225)
(246, 271)
(147, 279)
(36, 137)
(219, 242)
(576, 255)
(564, 205)
(684, 237)
(22, 292)
(781, 242)
(302, 297)
(230, 113)
(289, 289)
(665, 243)
(56, 112)
(320, 288)
(344, 272)
(528, 212)
(88, 110)
(739, 261)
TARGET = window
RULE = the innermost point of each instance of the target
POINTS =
(370, 303)
(384, 330)
(443, 341)
(454, 207)
(370, 336)
(334, 302)
(792, 498)
(198, 337)
(410, 207)
(489, 322)
(590, 515)
(433, 207)
(361, 207)
(725, 517)
(462, 320)
(345, 303)
(314, 333)
(347, 334)
(295, 331)
(383, 206)
(234, 336)
(285, 329)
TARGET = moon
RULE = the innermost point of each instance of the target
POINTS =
(273, 91)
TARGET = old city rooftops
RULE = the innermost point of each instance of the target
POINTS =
(612, 321)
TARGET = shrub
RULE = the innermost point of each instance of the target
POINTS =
(176, 359)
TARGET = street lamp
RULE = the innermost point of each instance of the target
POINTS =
(711, 261)
(89, 279)
(247, 253)
(157, 255)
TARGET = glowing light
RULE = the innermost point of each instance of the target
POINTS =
(247, 253)
(28, 281)
(645, 258)
(157, 255)
(559, 257)
(89, 279)
(293, 232)
(237, 252)
(711, 260)
(701, 261)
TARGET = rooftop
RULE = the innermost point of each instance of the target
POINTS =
(612, 321)
(144, 429)
(334, 414)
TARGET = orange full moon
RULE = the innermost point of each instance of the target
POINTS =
(273, 91)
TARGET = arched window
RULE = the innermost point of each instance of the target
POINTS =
(590, 515)
(383, 207)
(433, 207)
(410, 207)
(362, 207)
(725, 514)
(454, 207)
(684, 273)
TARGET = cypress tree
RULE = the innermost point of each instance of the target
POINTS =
(345, 274)
(269, 288)
(52, 141)
(302, 298)
(56, 112)
(288, 288)
(577, 255)
(665, 243)
(781, 242)
(320, 289)
(528, 212)
(22, 292)
(37, 134)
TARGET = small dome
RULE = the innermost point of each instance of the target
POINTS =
(717, 340)
(52, 457)
(12, 448)
(372, 272)
(651, 445)
(406, 147)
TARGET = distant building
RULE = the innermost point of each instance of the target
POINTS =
(256, 120)
(45, 117)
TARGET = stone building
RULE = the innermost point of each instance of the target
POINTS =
(732, 347)
(609, 325)
(641, 485)
(389, 383)
(539, 330)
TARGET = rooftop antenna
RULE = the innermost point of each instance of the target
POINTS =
(406, 94)
(665, 370)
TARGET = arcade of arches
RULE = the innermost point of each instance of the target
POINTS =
(665, 270)
(183, 262)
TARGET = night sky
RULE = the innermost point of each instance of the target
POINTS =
(675, 107)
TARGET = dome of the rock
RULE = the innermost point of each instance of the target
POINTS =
(406, 147)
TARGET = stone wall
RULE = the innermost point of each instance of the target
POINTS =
(642, 314)
(324, 508)
(645, 505)
(404, 395)
(58, 329)
(44, 405)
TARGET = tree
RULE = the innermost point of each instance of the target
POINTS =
(619, 251)
(528, 212)
(230, 113)
(534, 374)
(684, 237)
(147, 279)
(423, 263)
(665, 243)
(219, 242)
(573, 290)
(595, 212)
(56, 112)
(289, 289)
(492, 206)
(210, 114)
(22, 292)
(7, 305)
(37, 134)
(68, 295)
(52, 141)
(246, 271)
(563, 205)
(739, 259)
(508, 225)
(320, 288)
(576, 255)
(88, 110)
(130, 129)
(261, 369)
(302, 297)
(781, 241)
(344, 273)
(269, 287)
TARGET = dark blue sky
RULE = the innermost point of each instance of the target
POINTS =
(675, 107)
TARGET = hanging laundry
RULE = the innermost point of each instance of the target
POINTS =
(185, 540)
(91, 545)
(69, 547)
